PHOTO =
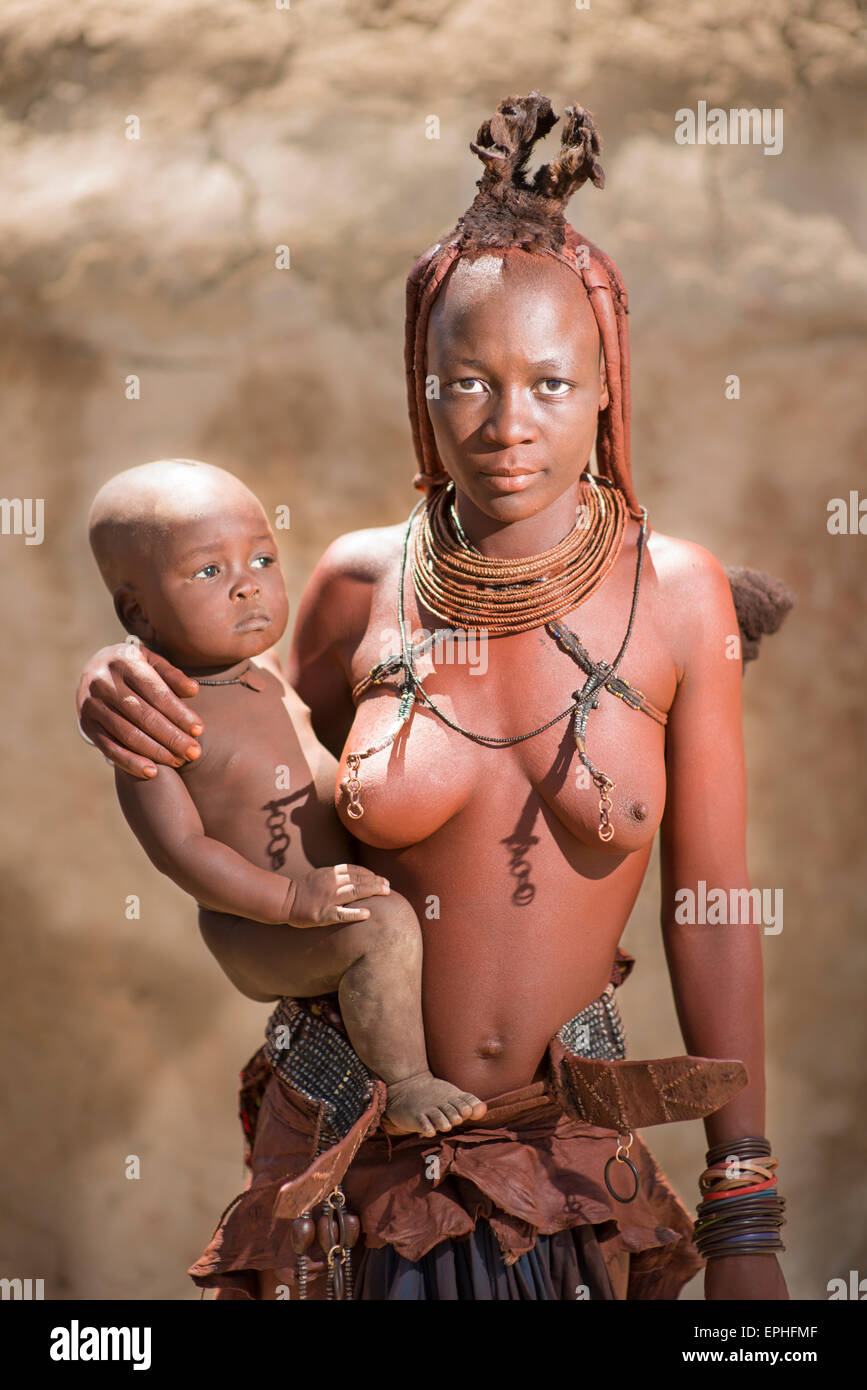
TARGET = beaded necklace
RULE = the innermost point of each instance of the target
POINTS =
(250, 676)
(233, 680)
(600, 674)
(457, 582)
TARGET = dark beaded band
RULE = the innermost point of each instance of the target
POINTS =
(743, 1244)
(749, 1147)
(745, 1250)
(764, 1215)
(746, 1223)
(769, 1240)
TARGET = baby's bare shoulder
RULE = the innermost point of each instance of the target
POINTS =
(215, 738)
(279, 693)
(237, 712)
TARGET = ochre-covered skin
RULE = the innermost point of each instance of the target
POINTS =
(445, 816)
(446, 819)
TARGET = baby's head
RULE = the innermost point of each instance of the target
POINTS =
(189, 557)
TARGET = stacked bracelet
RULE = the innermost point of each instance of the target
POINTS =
(741, 1213)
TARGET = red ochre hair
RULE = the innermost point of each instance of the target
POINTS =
(514, 212)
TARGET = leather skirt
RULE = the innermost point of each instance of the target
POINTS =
(515, 1206)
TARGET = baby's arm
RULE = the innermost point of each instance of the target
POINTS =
(163, 816)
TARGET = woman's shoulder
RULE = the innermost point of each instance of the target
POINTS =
(362, 556)
(336, 602)
(696, 605)
(686, 569)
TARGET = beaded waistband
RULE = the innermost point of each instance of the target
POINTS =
(315, 1060)
(319, 1063)
(597, 1031)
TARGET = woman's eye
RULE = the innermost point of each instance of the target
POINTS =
(204, 570)
(557, 387)
(467, 386)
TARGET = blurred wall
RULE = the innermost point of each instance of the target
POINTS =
(155, 257)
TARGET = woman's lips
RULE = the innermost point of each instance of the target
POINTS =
(514, 481)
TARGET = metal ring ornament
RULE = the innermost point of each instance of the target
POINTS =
(616, 1158)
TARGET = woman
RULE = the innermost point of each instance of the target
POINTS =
(467, 793)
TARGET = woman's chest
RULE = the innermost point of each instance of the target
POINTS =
(489, 690)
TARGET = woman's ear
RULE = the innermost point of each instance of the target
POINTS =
(603, 381)
(131, 614)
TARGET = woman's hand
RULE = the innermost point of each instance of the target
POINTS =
(744, 1276)
(130, 704)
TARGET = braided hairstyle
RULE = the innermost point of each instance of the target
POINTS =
(514, 211)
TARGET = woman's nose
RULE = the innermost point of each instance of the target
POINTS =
(510, 420)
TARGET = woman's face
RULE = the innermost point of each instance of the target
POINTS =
(513, 343)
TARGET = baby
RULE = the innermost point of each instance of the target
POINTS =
(189, 557)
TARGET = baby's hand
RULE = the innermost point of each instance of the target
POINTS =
(317, 899)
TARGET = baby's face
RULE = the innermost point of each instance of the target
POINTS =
(216, 593)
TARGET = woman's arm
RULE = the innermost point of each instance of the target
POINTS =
(332, 619)
(715, 970)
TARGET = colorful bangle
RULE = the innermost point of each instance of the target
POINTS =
(719, 1173)
(745, 1190)
(740, 1213)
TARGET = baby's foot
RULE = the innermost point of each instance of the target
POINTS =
(423, 1104)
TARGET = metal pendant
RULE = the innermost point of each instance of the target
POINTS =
(622, 1156)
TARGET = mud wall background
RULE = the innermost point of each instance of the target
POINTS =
(155, 257)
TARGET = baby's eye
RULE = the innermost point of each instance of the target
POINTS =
(266, 560)
(554, 382)
(467, 384)
(204, 570)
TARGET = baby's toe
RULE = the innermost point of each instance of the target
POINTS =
(477, 1108)
(452, 1111)
(440, 1119)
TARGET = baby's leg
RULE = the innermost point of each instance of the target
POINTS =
(380, 1000)
(375, 965)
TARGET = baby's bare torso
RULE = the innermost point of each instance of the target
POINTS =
(264, 785)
